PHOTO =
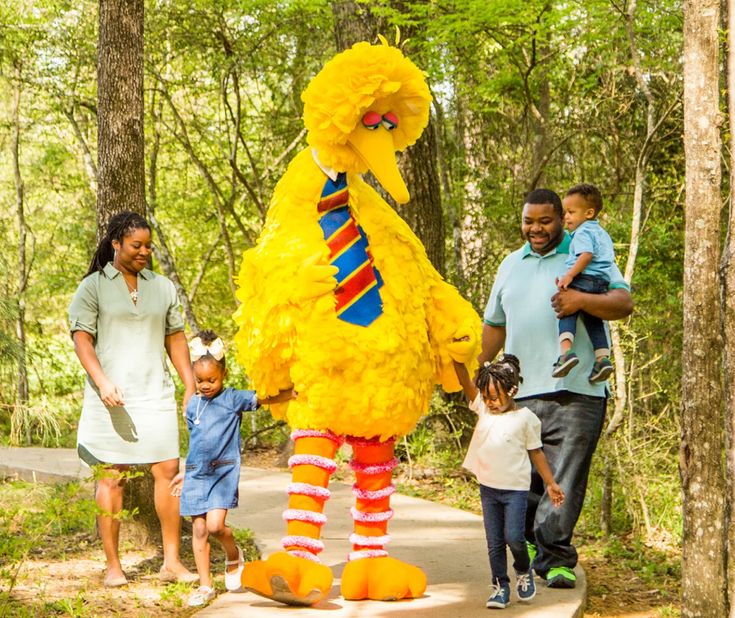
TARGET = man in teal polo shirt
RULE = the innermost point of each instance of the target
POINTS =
(521, 317)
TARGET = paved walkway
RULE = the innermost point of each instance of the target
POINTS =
(449, 544)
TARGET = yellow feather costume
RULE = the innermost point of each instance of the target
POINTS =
(375, 381)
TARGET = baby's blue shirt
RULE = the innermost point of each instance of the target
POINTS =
(590, 237)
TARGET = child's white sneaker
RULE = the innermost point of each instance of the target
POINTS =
(232, 580)
(202, 596)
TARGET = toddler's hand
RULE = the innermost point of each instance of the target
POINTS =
(563, 282)
(556, 494)
(176, 484)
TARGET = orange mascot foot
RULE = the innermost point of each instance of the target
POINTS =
(288, 579)
(382, 579)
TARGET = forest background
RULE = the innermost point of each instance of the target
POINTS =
(526, 94)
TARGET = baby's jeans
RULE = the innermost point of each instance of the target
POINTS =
(595, 327)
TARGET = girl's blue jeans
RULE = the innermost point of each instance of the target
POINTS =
(504, 515)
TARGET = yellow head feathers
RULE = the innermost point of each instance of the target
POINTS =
(363, 78)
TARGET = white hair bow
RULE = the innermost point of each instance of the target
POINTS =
(197, 349)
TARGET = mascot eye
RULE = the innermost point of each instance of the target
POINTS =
(372, 120)
(390, 121)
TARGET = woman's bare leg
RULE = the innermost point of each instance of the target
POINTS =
(109, 498)
(167, 508)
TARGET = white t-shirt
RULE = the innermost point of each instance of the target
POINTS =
(498, 451)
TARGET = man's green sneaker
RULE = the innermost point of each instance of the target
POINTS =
(532, 551)
(561, 577)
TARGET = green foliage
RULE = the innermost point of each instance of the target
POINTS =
(34, 517)
(246, 541)
(176, 593)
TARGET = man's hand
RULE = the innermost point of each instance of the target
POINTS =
(566, 302)
(614, 304)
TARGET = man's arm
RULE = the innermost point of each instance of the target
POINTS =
(493, 339)
(614, 304)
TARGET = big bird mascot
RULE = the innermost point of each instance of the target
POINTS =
(340, 300)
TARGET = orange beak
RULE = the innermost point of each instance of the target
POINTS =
(375, 148)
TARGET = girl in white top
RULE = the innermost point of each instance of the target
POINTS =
(507, 439)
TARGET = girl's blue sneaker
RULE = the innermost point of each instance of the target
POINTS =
(525, 586)
(500, 598)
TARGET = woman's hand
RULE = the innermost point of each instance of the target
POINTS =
(188, 394)
(110, 394)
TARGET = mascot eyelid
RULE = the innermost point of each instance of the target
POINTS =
(372, 120)
(390, 121)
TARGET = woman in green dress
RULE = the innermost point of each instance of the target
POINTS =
(125, 322)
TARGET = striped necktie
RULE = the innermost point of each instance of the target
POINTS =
(358, 281)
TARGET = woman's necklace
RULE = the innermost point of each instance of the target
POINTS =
(133, 291)
(198, 414)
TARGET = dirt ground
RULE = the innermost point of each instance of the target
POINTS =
(72, 586)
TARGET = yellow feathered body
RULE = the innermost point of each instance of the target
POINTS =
(373, 381)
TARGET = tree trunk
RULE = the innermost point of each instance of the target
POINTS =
(424, 211)
(21, 397)
(539, 123)
(701, 461)
(469, 234)
(353, 23)
(120, 148)
(121, 164)
(728, 320)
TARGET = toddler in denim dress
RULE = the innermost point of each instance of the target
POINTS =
(591, 256)
(210, 483)
(506, 440)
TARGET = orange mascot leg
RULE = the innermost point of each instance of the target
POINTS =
(296, 576)
(370, 572)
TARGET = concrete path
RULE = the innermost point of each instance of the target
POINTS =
(449, 544)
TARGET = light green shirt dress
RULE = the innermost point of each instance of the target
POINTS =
(129, 342)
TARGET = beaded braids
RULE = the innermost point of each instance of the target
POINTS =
(505, 374)
(122, 224)
(208, 337)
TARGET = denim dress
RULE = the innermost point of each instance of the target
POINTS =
(213, 463)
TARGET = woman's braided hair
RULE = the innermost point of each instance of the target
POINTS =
(119, 226)
(504, 373)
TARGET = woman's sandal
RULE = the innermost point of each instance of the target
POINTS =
(201, 596)
(233, 581)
